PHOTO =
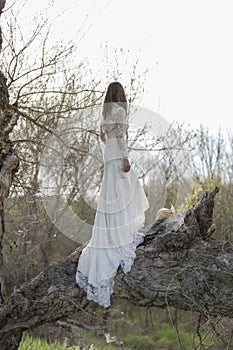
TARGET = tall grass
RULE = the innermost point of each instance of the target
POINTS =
(162, 338)
(29, 342)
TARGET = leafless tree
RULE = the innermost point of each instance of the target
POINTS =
(8, 160)
(208, 154)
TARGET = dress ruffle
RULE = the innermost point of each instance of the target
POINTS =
(102, 292)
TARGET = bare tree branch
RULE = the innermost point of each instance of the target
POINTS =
(8, 160)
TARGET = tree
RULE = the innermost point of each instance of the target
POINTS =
(43, 90)
(210, 165)
(171, 266)
(175, 265)
(8, 159)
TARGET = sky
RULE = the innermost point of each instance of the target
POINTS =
(186, 47)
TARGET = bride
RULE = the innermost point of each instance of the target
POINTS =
(120, 210)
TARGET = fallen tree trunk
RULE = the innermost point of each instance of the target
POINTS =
(178, 264)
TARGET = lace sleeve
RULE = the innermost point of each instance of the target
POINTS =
(120, 134)
(102, 133)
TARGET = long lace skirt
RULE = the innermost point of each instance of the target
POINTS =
(116, 232)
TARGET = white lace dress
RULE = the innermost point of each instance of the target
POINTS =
(119, 217)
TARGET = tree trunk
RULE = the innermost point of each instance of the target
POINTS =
(8, 160)
(178, 264)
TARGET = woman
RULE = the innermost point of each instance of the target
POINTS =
(120, 210)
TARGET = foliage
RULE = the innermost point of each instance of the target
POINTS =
(222, 218)
(191, 198)
(95, 342)
(165, 337)
(29, 342)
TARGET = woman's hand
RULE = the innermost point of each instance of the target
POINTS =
(103, 137)
(126, 165)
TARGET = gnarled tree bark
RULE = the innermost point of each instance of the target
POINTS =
(178, 264)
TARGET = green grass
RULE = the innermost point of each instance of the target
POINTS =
(91, 342)
(29, 342)
(97, 343)
(162, 338)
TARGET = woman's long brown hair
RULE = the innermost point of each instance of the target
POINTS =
(115, 93)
